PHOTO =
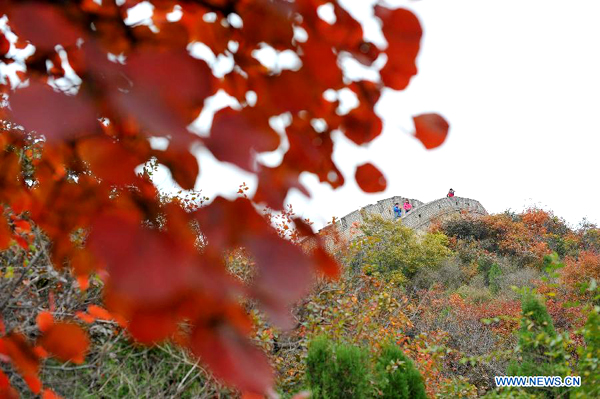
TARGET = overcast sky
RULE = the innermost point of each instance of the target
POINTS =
(519, 82)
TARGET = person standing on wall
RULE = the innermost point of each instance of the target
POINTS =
(397, 211)
(407, 207)
(450, 193)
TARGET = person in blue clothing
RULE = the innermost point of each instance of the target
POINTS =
(397, 211)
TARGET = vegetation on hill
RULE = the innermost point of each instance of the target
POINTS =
(463, 301)
(506, 294)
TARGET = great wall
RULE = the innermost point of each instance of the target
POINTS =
(419, 218)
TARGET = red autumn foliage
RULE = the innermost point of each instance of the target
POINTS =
(96, 133)
(370, 179)
(66, 341)
(49, 394)
(7, 391)
(44, 321)
(581, 270)
(431, 129)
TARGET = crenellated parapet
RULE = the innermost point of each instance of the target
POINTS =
(422, 217)
(383, 208)
(419, 218)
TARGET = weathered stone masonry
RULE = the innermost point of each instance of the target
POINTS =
(419, 218)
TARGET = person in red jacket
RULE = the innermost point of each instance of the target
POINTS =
(407, 206)
(450, 193)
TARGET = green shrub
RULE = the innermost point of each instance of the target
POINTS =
(494, 276)
(457, 388)
(484, 264)
(396, 375)
(318, 364)
(467, 229)
(510, 393)
(337, 371)
(387, 247)
(351, 372)
(589, 358)
(540, 350)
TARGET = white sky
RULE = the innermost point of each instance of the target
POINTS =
(519, 82)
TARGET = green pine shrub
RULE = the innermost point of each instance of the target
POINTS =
(337, 371)
(539, 348)
(318, 364)
(396, 375)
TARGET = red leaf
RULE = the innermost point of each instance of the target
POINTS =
(83, 281)
(21, 354)
(83, 263)
(66, 341)
(86, 318)
(283, 269)
(166, 91)
(4, 382)
(22, 226)
(274, 184)
(99, 312)
(43, 25)
(5, 386)
(236, 135)
(4, 45)
(49, 394)
(321, 62)
(311, 151)
(327, 264)
(152, 327)
(5, 233)
(40, 352)
(431, 129)
(44, 321)
(182, 164)
(6, 390)
(370, 179)
(9, 393)
(232, 358)
(267, 21)
(22, 242)
(100, 152)
(57, 116)
(362, 125)
(145, 266)
(33, 382)
(402, 31)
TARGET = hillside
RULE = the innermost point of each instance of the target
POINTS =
(449, 297)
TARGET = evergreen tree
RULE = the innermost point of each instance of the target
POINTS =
(337, 371)
(318, 363)
(539, 353)
(397, 377)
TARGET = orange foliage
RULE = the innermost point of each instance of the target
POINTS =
(581, 270)
(66, 341)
